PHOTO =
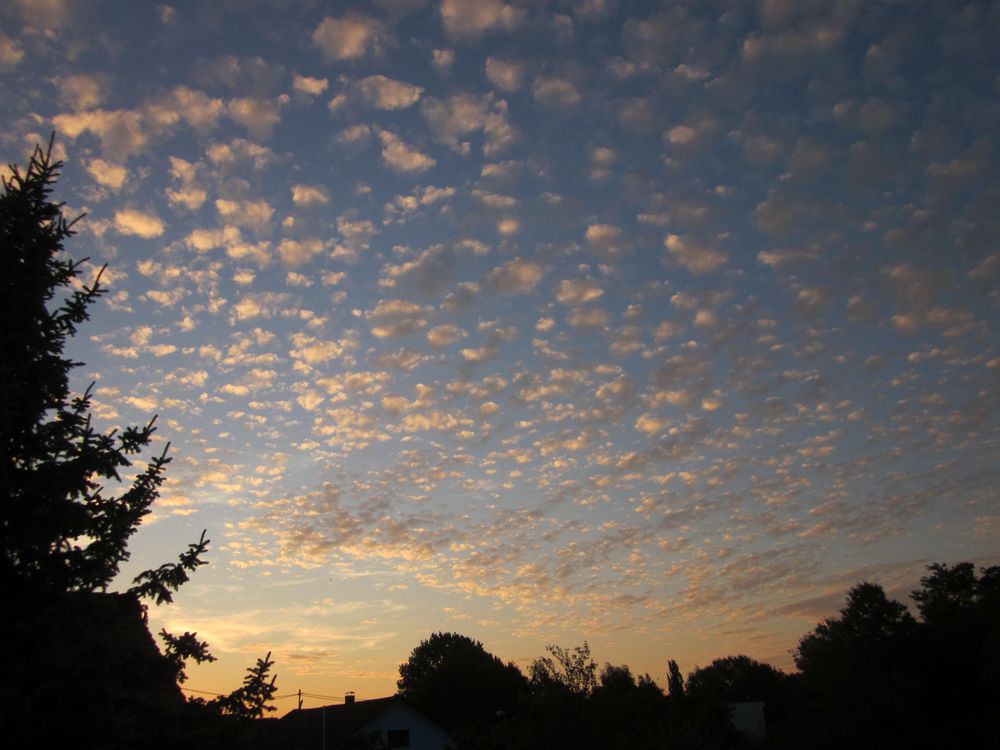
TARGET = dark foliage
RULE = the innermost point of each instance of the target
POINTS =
(249, 701)
(877, 676)
(159, 584)
(456, 681)
(64, 533)
(736, 679)
(675, 681)
(569, 670)
(59, 528)
(872, 677)
(566, 703)
(180, 648)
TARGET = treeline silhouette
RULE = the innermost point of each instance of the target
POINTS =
(873, 677)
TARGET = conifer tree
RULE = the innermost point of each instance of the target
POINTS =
(61, 529)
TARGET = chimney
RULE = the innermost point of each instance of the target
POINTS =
(349, 698)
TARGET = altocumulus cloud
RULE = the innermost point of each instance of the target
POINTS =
(138, 223)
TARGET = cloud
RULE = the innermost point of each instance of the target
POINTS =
(80, 91)
(309, 86)
(430, 271)
(255, 380)
(298, 252)
(786, 213)
(508, 226)
(183, 104)
(309, 195)
(516, 276)
(462, 298)
(313, 350)
(681, 135)
(202, 240)
(593, 10)
(128, 132)
(453, 119)
(10, 53)
(694, 257)
(494, 200)
(138, 224)
(402, 157)
(602, 159)
(443, 59)
(810, 300)
(478, 355)
(258, 116)
(190, 194)
(578, 291)
(608, 239)
(987, 270)
(252, 214)
(506, 75)
(445, 335)
(107, 174)
(556, 93)
(120, 131)
(348, 38)
(655, 40)
(237, 150)
(650, 424)
(473, 18)
(386, 93)
(259, 305)
(780, 258)
(397, 318)
(48, 16)
(589, 317)
(355, 234)
(355, 136)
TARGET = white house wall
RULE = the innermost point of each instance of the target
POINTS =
(424, 733)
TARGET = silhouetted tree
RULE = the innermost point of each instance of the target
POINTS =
(458, 682)
(63, 532)
(624, 713)
(59, 529)
(616, 679)
(735, 679)
(959, 639)
(250, 700)
(869, 630)
(570, 669)
(951, 593)
(675, 681)
(859, 672)
(740, 679)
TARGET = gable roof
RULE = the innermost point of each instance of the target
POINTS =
(342, 720)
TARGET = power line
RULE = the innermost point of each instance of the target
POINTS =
(275, 698)
(328, 697)
(203, 692)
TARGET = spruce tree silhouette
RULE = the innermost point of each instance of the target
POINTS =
(63, 533)
(59, 528)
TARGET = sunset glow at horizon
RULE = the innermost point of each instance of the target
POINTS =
(655, 325)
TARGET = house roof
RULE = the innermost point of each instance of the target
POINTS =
(342, 721)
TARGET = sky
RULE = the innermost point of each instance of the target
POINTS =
(655, 325)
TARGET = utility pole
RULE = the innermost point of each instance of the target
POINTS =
(300, 699)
